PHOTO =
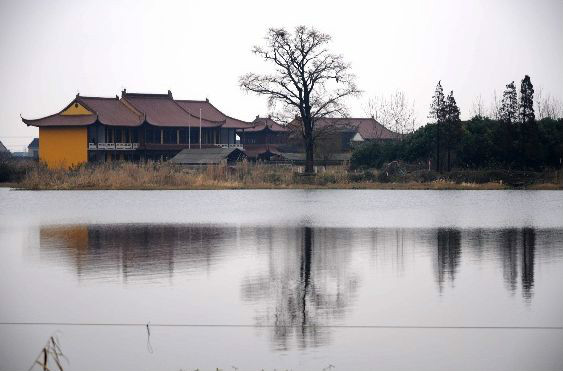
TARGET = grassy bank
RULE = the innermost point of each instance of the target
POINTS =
(261, 176)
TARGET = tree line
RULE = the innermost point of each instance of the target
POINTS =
(308, 82)
(513, 139)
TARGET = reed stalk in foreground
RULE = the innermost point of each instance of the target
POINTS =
(51, 352)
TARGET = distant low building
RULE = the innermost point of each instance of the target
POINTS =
(3, 150)
(330, 159)
(20, 154)
(208, 156)
(264, 130)
(33, 149)
(342, 133)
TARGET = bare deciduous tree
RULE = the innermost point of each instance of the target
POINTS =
(478, 108)
(308, 81)
(548, 106)
(496, 107)
(395, 112)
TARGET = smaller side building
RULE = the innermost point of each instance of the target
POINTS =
(3, 148)
(208, 156)
(341, 134)
(264, 138)
(33, 149)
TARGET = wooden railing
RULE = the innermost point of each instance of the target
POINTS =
(229, 145)
(134, 146)
(113, 146)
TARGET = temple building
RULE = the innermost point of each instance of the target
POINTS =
(264, 138)
(341, 134)
(132, 127)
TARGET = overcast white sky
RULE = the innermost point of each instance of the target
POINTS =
(50, 50)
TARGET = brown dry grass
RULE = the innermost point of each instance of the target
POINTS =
(126, 175)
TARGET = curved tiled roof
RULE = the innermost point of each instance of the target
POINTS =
(162, 110)
(212, 113)
(233, 123)
(34, 144)
(133, 109)
(263, 123)
(3, 148)
(368, 127)
(112, 111)
(208, 111)
(62, 120)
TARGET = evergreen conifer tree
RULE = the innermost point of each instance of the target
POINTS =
(453, 125)
(509, 105)
(527, 116)
(438, 115)
(529, 135)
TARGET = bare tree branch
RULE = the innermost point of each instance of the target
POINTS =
(308, 81)
(395, 112)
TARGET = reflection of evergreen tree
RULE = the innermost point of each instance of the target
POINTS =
(509, 254)
(528, 253)
(447, 255)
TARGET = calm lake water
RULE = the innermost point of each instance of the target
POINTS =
(362, 280)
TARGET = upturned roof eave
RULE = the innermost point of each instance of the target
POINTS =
(35, 122)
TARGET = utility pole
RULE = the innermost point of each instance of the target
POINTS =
(189, 132)
(200, 128)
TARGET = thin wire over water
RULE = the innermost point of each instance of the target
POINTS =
(146, 325)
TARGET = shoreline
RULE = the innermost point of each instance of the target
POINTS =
(164, 176)
(428, 186)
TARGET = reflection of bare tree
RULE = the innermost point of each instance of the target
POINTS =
(134, 251)
(305, 288)
(447, 255)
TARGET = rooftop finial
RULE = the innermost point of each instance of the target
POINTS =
(123, 92)
(207, 99)
(170, 93)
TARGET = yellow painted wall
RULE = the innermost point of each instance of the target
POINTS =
(76, 109)
(63, 147)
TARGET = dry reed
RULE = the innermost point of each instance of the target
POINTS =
(51, 352)
(153, 175)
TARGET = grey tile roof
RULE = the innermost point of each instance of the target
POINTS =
(206, 156)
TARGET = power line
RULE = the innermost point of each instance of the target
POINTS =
(18, 136)
(283, 326)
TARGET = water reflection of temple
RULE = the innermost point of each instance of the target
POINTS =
(132, 252)
(298, 280)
